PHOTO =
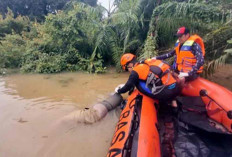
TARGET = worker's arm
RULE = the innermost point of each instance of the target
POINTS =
(165, 56)
(197, 52)
(133, 79)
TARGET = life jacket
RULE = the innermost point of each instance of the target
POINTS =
(185, 59)
(156, 73)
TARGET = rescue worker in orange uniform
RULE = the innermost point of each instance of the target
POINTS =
(189, 52)
(152, 77)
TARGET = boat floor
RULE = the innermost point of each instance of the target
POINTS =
(191, 133)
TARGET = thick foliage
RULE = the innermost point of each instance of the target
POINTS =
(12, 43)
(11, 51)
(66, 41)
(81, 38)
(37, 8)
(201, 18)
(218, 48)
(9, 24)
(129, 26)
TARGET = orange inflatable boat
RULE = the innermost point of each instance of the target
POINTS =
(202, 103)
(217, 100)
(136, 132)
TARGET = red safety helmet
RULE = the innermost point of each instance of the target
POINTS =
(125, 59)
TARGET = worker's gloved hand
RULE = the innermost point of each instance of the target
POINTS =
(118, 87)
(181, 75)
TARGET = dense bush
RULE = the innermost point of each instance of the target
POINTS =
(65, 41)
(12, 48)
(80, 38)
(9, 24)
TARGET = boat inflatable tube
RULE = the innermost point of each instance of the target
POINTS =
(217, 100)
(97, 112)
(136, 133)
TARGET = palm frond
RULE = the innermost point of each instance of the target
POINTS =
(213, 65)
(201, 18)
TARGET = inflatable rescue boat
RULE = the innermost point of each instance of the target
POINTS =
(217, 100)
(200, 126)
(136, 132)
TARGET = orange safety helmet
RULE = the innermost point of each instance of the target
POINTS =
(125, 59)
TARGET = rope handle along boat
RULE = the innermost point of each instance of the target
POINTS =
(204, 92)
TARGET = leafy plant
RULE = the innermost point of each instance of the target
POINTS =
(12, 48)
(212, 65)
(200, 17)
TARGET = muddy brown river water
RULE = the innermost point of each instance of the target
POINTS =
(32, 107)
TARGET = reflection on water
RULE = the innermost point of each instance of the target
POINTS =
(31, 107)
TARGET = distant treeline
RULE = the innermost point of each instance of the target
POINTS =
(37, 9)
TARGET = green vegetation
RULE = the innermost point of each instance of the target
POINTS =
(37, 9)
(65, 41)
(73, 35)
